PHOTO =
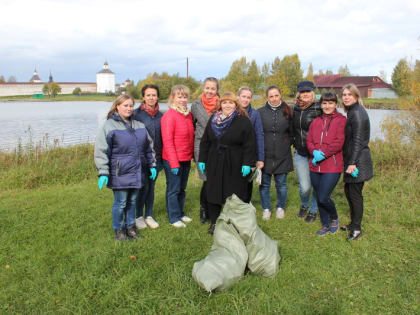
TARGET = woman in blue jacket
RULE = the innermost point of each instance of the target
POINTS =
(122, 147)
(148, 113)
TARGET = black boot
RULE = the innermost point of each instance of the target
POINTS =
(211, 229)
(120, 235)
(203, 215)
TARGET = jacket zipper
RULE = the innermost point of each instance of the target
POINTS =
(320, 142)
(118, 168)
(335, 162)
(300, 125)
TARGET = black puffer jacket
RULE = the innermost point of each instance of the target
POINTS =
(277, 140)
(301, 122)
(356, 150)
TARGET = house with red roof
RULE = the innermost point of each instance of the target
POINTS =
(369, 86)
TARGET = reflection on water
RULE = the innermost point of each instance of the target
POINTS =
(77, 122)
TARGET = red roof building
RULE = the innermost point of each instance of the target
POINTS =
(369, 86)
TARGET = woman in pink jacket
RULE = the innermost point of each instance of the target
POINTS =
(178, 148)
(325, 142)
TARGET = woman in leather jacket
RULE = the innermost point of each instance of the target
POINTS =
(305, 110)
(358, 166)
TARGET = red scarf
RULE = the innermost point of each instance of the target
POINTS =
(209, 104)
(151, 111)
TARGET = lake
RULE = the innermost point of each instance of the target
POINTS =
(77, 122)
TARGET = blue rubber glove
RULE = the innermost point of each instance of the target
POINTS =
(202, 167)
(101, 181)
(355, 173)
(318, 155)
(153, 173)
(313, 162)
(175, 170)
(246, 170)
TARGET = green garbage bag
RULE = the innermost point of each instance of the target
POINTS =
(263, 254)
(226, 262)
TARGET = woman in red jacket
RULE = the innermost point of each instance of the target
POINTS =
(178, 147)
(325, 144)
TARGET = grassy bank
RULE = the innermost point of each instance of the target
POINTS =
(58, 256)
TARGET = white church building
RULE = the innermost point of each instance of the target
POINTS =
(105, 83)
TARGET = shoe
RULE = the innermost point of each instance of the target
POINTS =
(311, 217)
(211, 229)
(345, 227)
(302, 211)
(334, 226)
(280, 213)
(151, 223)
(140, 223)
(186, 219)
(203, 217)
(322, 231)
(179, 224)
(266, 214)
(120, 235)
(354, 235)
(132, 234)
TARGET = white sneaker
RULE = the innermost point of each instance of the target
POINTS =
(179, 224)
(152, 223)
(186, 219)
(280, 213)
(266, 214)
(140, 223)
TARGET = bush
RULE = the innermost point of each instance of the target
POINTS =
(77, 91)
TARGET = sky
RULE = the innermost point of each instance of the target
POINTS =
(73, 38)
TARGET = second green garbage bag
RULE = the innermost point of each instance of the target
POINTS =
(238, 242)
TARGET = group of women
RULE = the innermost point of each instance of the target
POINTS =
(229, 140)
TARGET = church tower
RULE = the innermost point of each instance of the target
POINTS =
(105, 80)
(35, 78)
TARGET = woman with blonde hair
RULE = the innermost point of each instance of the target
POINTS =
(123, 149)
(227, 152)
(358, 167)
(178, 148)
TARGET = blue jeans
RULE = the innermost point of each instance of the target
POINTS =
(124, 208)
(146, 195)
(305, 186)
(281, 188)
(324, 184)
(175, 190)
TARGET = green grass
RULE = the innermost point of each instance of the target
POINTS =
(58, 243)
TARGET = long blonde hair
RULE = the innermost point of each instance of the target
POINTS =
(118, 101)
(354, 91)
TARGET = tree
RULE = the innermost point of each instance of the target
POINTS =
(310, 73)
(278, 77)
(237, 74)
(253, 77)
(401, 78)
(2, 79)
(329, 72)
(131, 90)
(51, 89)
(77, 91)
(320, 72)
(11, 79)
(290, 66)
(344, 71)
(382, 75)
(416, 71)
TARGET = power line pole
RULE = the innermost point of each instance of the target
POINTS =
(187, 68)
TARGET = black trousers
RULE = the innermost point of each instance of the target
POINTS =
(214, 212)
(354, 197)
(203, 197)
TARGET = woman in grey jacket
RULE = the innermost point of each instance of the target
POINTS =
(122, 147)
(201, 110)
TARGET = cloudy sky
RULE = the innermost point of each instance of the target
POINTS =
(73, 38)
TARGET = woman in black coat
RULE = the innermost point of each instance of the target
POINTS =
(276, 118)
(227, 152)
(358, 166)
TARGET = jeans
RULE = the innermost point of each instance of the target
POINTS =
(302, 169)
(324, 184)
(354, 197)
(146, 195)
(124, 207)
(281, 188)
(175, 190)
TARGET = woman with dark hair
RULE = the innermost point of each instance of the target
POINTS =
(325, 145)
(148, 113)
(123, 150)
(227, 152)
(276, 117)
(357, 159)
(305, 110)
(201, 110)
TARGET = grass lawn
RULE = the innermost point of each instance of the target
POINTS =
(58, 256)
